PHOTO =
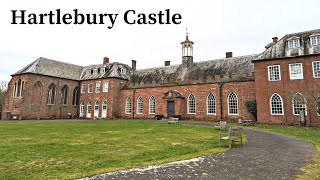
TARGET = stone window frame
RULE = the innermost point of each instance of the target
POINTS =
(233, 104)
(290, 71)
(294, 43)
(51, 94)
(211, 104)
(128, 106)
(104, 109)
(98, 87)
(83, 88)
(81, 109)
(90, 88)
(317, 68)
(89, 110)
(276, 104)
(105, 86)
(139, 105)
(192, 104)
(152, 105)
(272, 74)
(18, 87)
(299, 104)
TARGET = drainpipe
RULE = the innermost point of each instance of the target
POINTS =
(221, 100)
(133, 103)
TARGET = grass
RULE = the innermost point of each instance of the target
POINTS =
(67, 150)
(310, 171)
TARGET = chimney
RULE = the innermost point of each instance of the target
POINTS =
(228, 54)
(105, 60)
(134, 65)
(275, 39)
(166, 63)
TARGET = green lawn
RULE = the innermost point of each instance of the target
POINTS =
(66, 150)
(310, 171)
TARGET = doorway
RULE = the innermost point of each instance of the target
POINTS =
(170, 108)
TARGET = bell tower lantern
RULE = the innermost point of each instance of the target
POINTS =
(187, 52)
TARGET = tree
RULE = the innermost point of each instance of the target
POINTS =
(252, 107)
(3, 91)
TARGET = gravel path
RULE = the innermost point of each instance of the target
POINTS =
(265, 156)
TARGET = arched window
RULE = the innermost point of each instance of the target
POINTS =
(36, 96)
(211, 104)
(18, 86)
(128, 105)
(64, 95)
(191, 104)
(276, 104)
(76, 96)
(89, 110)
(139, 105)
(104, 109)
(81, 109)
(299, 104)
(152, 105)
(96, 109)
(51, 94)
(232, 104)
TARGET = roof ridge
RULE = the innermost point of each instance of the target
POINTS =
(62, 62)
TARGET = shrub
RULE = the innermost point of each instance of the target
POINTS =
(159, 116)
(252, 107)
(177, 116)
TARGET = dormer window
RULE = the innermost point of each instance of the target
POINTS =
(123, 71)
(95, 71)
(293, 44)
(91, 72)
(88, 72)
(103, 70)
(315, 40)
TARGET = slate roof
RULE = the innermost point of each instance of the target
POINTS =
(279, 49)
(111, 70)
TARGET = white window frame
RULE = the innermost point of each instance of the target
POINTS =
(83, 88)
(139, 105)
(290, 71)
(195, 104)
(315, 40)
(123, 71)
(269, 73)
(89, 113)
(313, 69)
(214, 103)
(104, 109)
(106, 87)
(81, 112)
(294, 44)
(90, 87)
(128, 106)
(282, 109)
(98, 87)
(293, 105)
(152, 105)
(96, 109)
(237, 104)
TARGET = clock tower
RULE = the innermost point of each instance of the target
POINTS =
(187, 52)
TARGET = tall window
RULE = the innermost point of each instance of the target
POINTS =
(98, 87)
(211, 104)
(274, 73)
(104, 110)
(76, 96)
(105, 86)
(90, 88)
(51, 94)
(152, 105)
(64, 95)
(276, 104)
(128, 105)
(299, 104)
(191, 104)
(318, 105)
(316, 69)
(96, 109)
(18, 86)
(294, 43)
(83, 88)
(139, 105)
(89, 110)
(296, 71)
(315, 40)
(232, 104)
(81, 109)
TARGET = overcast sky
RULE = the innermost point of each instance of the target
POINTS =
(241, 26)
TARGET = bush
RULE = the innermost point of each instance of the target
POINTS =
(252, 107)
(159, 116)
(177, 116)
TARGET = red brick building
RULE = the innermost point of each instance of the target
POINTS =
(204, 90)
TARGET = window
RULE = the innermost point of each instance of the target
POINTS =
(294, 43)
(296, 71)
(81, 109)
(103, 70)
(315, 40)
(276, 104)
(316, 69)
(96, 109)
(211, 104)
(274, 73)
(128, 106)
(318, 105)
(83, 88)
(152, 105)
(98, 87)
(76, 95)
(51, 94)
(104, 109)
(123, 71)
(18, 86)
(299, 104)
(191, 104)
(90, 88)
(105, 86)
(64, 95)
(232, 104)
(36, 97)
(89, 110)
(139, 105)
(95, 71)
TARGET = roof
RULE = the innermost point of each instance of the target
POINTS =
(279, 49)
(106, 71)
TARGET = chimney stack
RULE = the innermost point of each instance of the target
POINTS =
(275, 39)
(105, 60)
(228, 54)
(134, 65)
(166, 63)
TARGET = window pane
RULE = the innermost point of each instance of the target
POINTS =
(274, 73)
(191, 104)
(316, 69)
(211, 104)
(276, 104)
(296, 71)
(128, 106)
(233, 103)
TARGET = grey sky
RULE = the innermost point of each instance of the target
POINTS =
(241, 26)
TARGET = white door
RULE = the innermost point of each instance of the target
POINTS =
(104, 110)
